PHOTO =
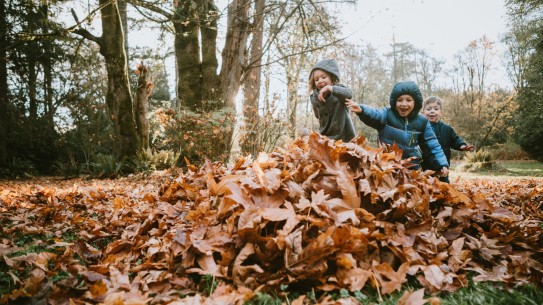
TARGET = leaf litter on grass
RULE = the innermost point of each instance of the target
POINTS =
(313, 215)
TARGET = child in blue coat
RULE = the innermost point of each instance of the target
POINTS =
(402, 124)
(328, 101)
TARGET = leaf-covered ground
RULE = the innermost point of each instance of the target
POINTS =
(312, 216)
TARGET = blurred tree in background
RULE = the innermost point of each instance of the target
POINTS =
(527, 35)
(67, 102)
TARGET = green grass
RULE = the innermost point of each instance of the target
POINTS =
(507, 168)
(475, 294)
(523, 167)
(487, 293)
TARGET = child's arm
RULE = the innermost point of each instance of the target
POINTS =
(435, 149)
(458, 143)
(375, 118)
(353, 106)
(339, 91)
(469, 147)
(314, 101)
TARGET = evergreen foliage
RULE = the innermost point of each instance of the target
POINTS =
(528, 118)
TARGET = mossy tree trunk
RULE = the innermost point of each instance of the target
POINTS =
(118, 96)
(4, 91)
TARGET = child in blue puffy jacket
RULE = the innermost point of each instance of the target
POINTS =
(402, 124)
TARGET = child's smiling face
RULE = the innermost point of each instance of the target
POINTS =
(433, 112)
(321, 79)
(405, 105)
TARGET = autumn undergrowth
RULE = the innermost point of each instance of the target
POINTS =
(209, 284)
(26, 244)
(475, 294)
(494, 294)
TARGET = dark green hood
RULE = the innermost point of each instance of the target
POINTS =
(409, 88)
(328, 65)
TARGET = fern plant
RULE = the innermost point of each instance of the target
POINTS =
(149, 160)
(478, 160)
(481, 155)
(106, 166)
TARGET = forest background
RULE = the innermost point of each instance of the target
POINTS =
(76, 97)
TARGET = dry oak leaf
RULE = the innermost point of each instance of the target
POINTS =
(412, 298)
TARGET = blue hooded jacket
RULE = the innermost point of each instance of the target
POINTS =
(334, 118)
(413, 134)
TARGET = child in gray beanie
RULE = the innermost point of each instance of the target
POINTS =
(328, 101)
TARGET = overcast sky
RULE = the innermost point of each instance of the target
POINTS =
(442, 27)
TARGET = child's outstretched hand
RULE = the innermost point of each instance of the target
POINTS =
(352, 106)
(467, 147)
(324, 92)
(444, 172)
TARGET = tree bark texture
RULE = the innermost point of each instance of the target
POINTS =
(122, 5)
(251, 84)
(47, 48)
(233, 54)
(294, 68)
(4, 91)
(234, 58)
(187, 55)
(118, 96)
(209, 17)
(32, 75)
(142, 105)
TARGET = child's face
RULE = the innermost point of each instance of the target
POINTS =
(321, 79)
(404, 105)
(433, 112)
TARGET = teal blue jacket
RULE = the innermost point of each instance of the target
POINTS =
(413, 134)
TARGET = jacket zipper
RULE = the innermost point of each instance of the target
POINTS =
(411, 138)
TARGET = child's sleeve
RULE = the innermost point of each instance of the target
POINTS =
(456, 141)
(342, 92)
(432, 145)
(313, 100)
(374, 118)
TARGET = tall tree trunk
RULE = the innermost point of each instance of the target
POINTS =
(292, 103)
(33, 102)
(142, 105)
(187, 56)
(4, 91)
(208, 30)
(294, 68)
(233, 54)
(251, 83)
(122, 5)
(233, 59)
(47, 67)
(118, 98)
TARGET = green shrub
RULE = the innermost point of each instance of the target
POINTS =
(481, 155)
(105, 166)
(479, 160)
(69, 167)
(197, 136)
(18, 168)
(509, 151)
(149, 160)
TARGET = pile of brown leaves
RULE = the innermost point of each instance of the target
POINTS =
(312, 215)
